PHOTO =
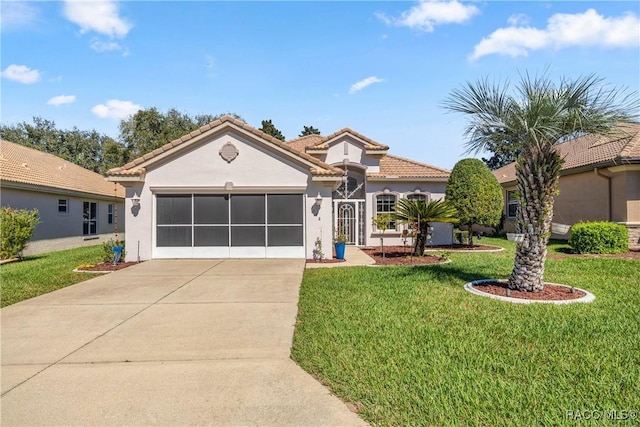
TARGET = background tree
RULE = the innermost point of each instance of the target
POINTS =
(268, 128)
(418, 214)
(149, 129)
(503, 152)
(84, 148)
(539, 115)
(475, 193)
(309, 130)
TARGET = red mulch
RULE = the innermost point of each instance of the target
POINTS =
(399, 255)
(107, 266)
(549, 293)
(324, 261)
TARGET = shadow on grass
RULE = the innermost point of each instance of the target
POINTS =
(452, 272)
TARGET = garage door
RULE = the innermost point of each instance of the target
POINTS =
(229, 225)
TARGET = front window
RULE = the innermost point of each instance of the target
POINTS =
(417, 196)
(512, 203)
(386, 203)
(89, 218)
(110, 213)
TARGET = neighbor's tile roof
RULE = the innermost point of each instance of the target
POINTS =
(25, 165)
(393, 166)
(133, 167)
(305, 141)
(621, 145)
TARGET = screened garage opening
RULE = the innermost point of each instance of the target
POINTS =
(229, 226)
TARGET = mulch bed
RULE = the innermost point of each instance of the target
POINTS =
(549, 293)
(399, 255)
(106, 266)
(324, 261)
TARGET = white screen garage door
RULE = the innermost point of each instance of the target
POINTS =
(229, 225)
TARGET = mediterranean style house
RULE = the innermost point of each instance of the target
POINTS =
(230, 190)
(77, 207)
(599, 181)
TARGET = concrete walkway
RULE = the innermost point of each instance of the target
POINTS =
(170, 343)
(353, 256)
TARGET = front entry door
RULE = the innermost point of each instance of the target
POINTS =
(348, 219)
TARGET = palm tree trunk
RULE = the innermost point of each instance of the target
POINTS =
(421, 240)
(537, 175)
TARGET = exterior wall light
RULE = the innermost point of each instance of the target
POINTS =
(318, 200)
(135, 200)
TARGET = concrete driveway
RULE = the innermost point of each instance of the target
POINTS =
(166, 342)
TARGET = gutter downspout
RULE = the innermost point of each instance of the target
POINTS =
(608, 178)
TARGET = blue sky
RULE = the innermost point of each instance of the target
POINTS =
(380, 68)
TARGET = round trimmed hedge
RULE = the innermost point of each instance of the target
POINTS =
(599, 237)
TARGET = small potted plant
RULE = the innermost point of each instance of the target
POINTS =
(339, 244)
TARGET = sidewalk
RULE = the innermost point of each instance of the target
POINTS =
(353, 257)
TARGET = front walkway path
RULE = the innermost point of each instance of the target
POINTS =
(171, 343)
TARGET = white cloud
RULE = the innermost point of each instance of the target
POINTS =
(61, 99)
(115, 109)
(429, 13)
(17, 14)
(99, 16)
(21, 74)
(563, 30)
(364, 83)
(519, 19)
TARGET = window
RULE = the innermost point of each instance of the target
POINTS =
(89, 218)
(63, 206)
(512, 203)
(386, 203)
(110, 213)
(417, 196)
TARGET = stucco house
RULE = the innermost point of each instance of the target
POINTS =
(230, 190)
(599, 181)
(77, 207)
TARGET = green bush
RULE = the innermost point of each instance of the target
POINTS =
(599, 237)
(107, 250)
(16, 228)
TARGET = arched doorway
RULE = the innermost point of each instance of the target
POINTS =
(349, 205)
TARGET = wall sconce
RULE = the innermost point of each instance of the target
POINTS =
(318, 200)
(135, 200)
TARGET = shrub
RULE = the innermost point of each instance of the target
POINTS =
(107, 250)
(599, 237)
(16, 228)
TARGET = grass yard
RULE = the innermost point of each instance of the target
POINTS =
(38, 274)
(410, 347)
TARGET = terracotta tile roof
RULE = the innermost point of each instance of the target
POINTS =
(370, 143)
(398, 167)
(132, 168)
(23, 165)
(305, 141)
(621, 145)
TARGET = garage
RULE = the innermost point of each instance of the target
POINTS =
(228, 225)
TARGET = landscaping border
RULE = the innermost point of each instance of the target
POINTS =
(469, 287)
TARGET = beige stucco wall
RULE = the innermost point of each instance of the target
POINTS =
(57, 231)
(585, 197)
(202, 169)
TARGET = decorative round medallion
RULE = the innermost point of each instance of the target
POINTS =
(229, 152)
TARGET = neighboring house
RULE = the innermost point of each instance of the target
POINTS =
(230, 190)
(77, 207)
(600, 180)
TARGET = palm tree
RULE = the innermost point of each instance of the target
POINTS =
(420, 213)
(539, 115)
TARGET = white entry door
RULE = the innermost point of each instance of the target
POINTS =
(348, 219)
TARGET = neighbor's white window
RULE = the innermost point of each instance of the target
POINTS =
(512, 203)
(386, 203)
(63, 206)
(89, 218)
(417, 196)
(110, 213)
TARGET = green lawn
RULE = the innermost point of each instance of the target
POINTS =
(39, 274)
(410, 347)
